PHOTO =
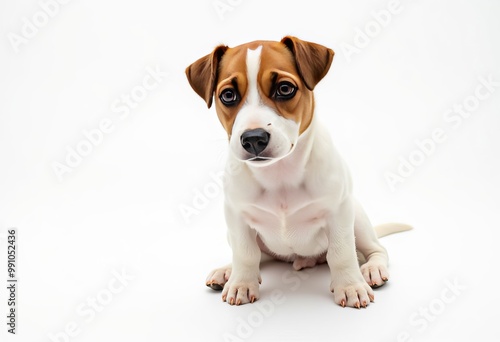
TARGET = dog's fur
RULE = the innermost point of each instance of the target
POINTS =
(291, 198)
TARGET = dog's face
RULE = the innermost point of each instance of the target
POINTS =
(263, 93)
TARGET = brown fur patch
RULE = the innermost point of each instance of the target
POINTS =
(277, 64)
(299, 62)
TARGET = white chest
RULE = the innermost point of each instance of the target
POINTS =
(289, 221)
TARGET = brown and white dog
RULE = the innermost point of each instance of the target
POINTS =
(291, 199)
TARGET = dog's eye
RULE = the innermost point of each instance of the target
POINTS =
(229, 97)
(285, 91)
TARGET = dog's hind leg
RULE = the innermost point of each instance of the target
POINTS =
(217, 278)
(374, 269)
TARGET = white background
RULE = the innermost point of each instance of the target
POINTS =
(119, 209)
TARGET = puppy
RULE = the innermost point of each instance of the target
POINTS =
(291, 198)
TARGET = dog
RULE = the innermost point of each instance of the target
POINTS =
(291, 198)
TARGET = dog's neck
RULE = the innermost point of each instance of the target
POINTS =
(288, 171)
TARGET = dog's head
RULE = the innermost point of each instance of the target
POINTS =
(263, 93)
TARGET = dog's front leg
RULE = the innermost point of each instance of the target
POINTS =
(243, 284)
(348, 285)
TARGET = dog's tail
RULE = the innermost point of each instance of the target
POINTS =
(391, 228)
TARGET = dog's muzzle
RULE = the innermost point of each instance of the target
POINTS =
(255, 141)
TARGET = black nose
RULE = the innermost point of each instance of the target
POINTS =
(255, 140)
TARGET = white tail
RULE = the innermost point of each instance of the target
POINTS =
(391, 228)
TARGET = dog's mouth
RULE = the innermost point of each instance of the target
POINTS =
(262, 160)
(259, 159)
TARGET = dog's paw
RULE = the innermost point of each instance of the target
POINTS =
(375, 273)
(239, 291)
(355, 295)
(218, 278)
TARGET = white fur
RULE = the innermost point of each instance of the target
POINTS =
(253, 65)
(299, 203)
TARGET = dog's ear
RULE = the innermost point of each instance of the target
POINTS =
(313, 60)
(202, 74)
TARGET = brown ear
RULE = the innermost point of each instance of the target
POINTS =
(202, 74)
(313, 60)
